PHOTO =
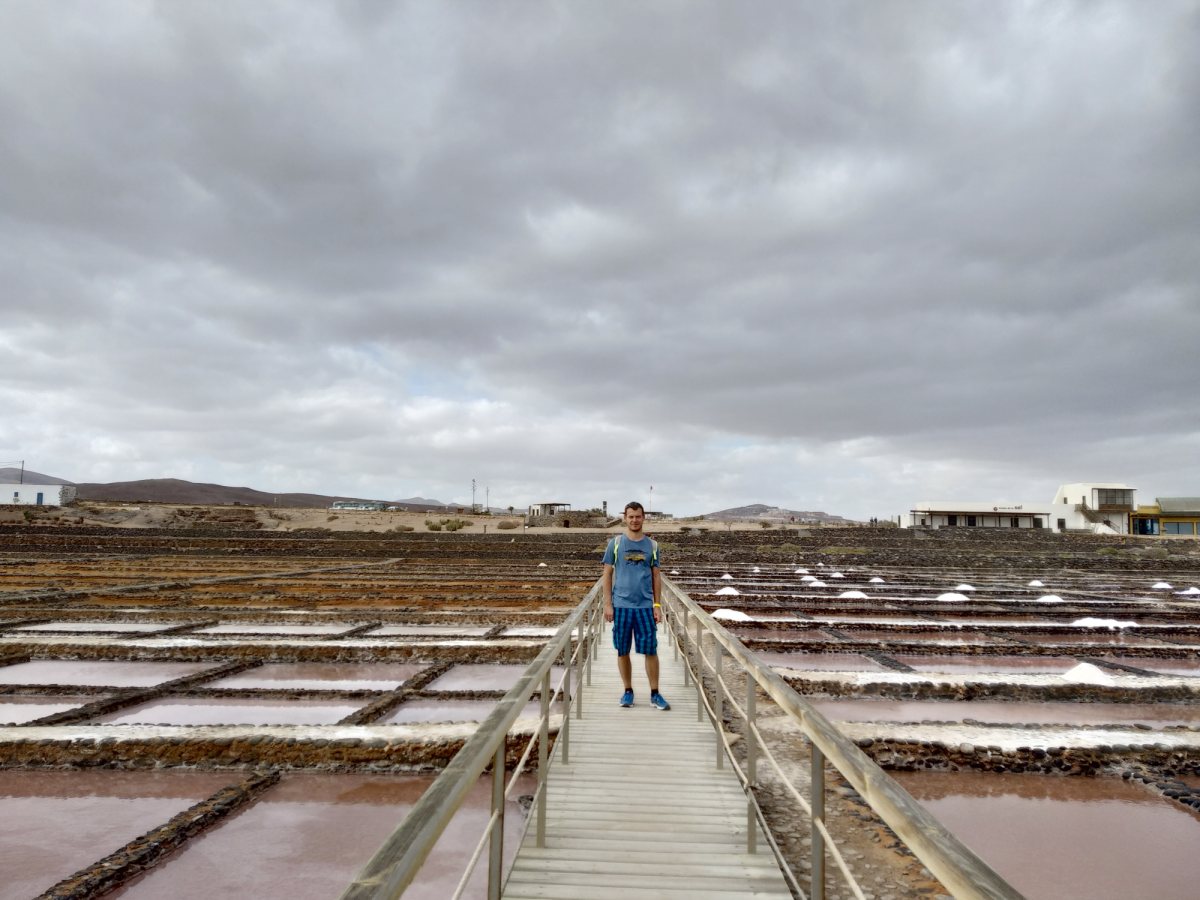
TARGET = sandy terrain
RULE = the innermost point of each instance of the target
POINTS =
(159, 515)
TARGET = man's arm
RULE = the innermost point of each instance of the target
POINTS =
(656, 580)
(606, 587)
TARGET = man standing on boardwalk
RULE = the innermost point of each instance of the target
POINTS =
(632, 588)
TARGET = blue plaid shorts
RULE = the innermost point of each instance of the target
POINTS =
(635, 623)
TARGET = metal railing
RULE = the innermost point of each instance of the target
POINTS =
(396, 864)
(963, 873)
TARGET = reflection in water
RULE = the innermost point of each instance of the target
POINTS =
(414, 711)
(823, 662)
(17, 709)
(480, 677)
(1068, 837)
(54, 823)
(981, 664)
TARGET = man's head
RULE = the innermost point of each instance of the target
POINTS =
(635, 515)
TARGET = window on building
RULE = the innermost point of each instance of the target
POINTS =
(1062, 524)
(1114, 497)
(1014, 522)
(951, 521)
(971, 521)
(1178, 528)
(1037, 523)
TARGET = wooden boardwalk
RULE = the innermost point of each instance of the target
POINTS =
(642, 811)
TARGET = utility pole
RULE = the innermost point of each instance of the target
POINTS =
(487, 498)
(472, 495)
(650, 505)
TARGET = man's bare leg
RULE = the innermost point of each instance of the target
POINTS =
(625, 667)
(651, 672)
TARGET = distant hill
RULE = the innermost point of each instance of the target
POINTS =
(776, 515)
(13, 475)
(176, 490)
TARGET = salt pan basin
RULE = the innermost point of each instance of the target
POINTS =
(1051, 838)
(322, 676)
(308, 836)
(240, 711)
(97, 673)
(53, 823)
(17, 709)
(482, 677)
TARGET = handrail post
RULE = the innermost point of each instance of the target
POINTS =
(496, 848)
(719, 701)
(817, 803)
(564, 733)
(751, 764)
(591, 643)
(543, 759)
(698, 651)
(687, 670)
(579, 666)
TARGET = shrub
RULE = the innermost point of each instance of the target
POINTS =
(403, 528)
(765, 524)
(331, 517)
(508, 524)
(433, 526)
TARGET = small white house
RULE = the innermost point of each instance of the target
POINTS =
(1099, 506)
(37, 494)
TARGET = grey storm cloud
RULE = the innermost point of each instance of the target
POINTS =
(850, 253)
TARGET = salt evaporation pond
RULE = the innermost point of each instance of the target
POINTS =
(255, 628)
(412, 712)
(941, 636)
(17, 709)
(430, 631)
(976, 664)
(322, 676)
(824, 662)
(309, 836)
(529, 631)
(1053, 837)
(1050, 713)
(1071, 636)
(1166, 666)
(53, 823)
(116, 627)
(97, 673)
(484, 677)
(240, 711)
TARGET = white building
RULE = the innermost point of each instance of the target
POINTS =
(1094, 506)
(970, 514)
(37, 494)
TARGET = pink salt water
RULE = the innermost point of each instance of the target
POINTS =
(414, 711)
(309, 836)
(1055, 837)
(484, 677)
(1051, 713)
(223, 711)
(824, 662)
(17, 709)
(1125, 638)
(53, 823)
(975, 665)
(322, 676)
(97, 673)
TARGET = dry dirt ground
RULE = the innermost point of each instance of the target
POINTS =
(163, 515)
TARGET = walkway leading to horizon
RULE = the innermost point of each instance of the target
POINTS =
(641, 810)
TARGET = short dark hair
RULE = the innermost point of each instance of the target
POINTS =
(633, 504)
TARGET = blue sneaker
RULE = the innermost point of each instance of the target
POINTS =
(658, 701)
(627, 698)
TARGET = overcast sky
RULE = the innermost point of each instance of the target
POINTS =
(839, 256)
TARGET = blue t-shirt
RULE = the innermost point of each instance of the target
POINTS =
(633, 584)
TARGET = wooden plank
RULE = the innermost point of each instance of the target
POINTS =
(642, 810)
